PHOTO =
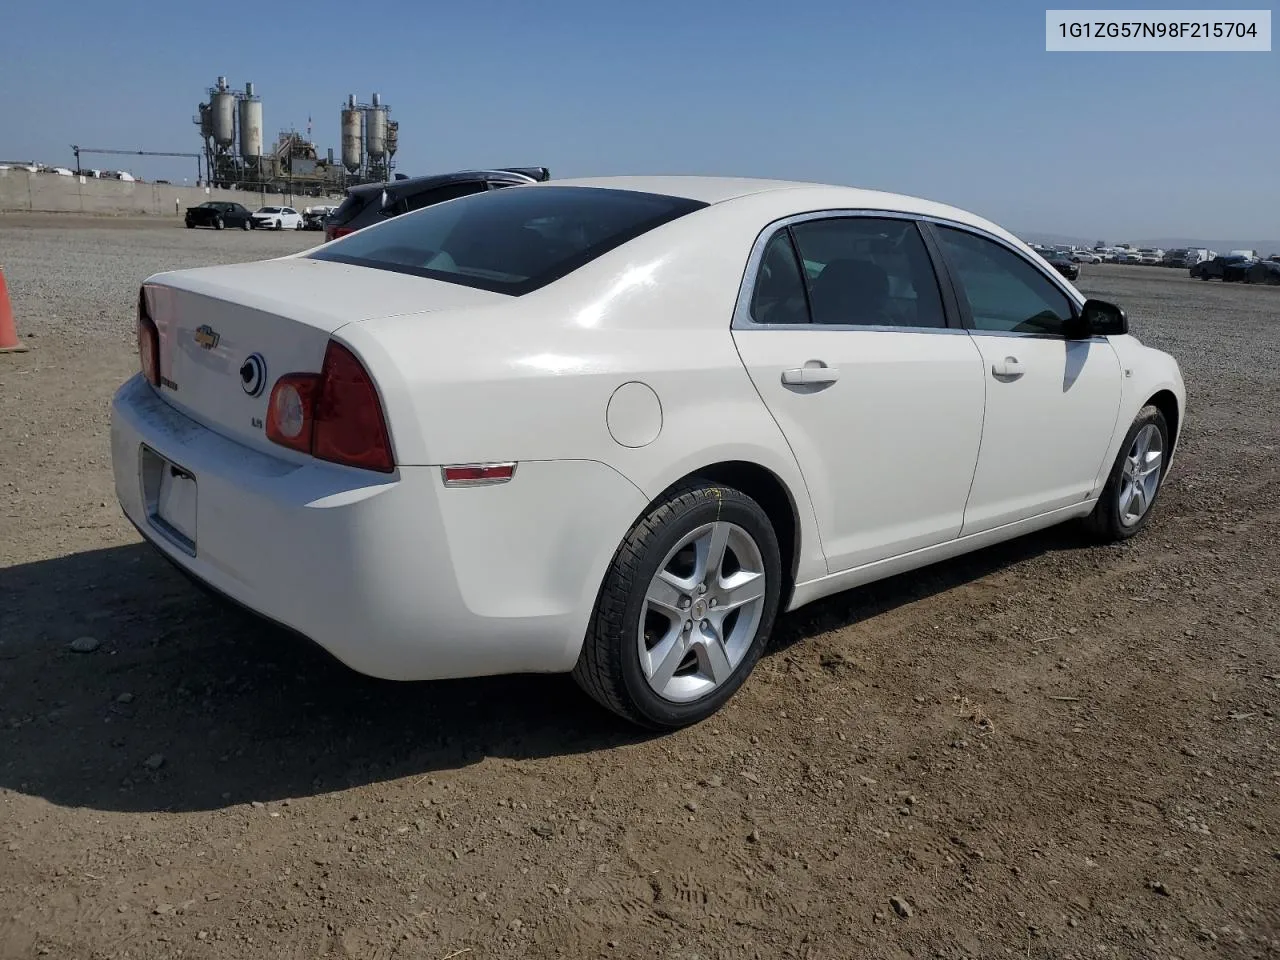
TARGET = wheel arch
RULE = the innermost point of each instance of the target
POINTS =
(775, 498)
(1167, 404)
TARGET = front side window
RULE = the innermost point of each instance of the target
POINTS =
(1005, 293)
(508, 241)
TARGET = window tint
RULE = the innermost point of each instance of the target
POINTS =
(866, 271)
(427, 198)
(512, 240)
(1004, 291)
(778, 295)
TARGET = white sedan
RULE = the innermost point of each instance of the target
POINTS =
(1086, 256)
(616, 426)
(277, 218)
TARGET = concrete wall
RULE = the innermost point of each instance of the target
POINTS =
(26, 192)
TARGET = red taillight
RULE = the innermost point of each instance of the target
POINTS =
(148, 343)
(333, 233)
(334, 415)
(290, 412)
(350, 427)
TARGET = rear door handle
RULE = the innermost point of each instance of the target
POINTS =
(1010, 368)
(822, 374)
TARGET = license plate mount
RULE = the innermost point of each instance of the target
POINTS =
(169, 492)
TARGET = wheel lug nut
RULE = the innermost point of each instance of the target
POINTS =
(714, 601)
(706, 623)
(702, 588)
(688, 625)
(684, 602)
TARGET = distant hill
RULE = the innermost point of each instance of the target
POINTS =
(1265, 247)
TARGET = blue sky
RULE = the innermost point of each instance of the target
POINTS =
(950, 100)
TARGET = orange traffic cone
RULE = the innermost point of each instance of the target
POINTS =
(9, 342)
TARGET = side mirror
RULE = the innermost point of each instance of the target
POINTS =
(1098, 318)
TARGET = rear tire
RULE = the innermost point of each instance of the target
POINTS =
(218, 224)
(661, 650)
(1136, 479)
(244, 224)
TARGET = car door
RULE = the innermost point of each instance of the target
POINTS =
(842, 327)
(1052, 401)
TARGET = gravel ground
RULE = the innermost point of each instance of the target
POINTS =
(1041, 750)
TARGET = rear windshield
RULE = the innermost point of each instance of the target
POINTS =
(513, 240)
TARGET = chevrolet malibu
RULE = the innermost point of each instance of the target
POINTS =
(615, 426)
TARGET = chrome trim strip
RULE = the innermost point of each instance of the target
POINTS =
(848, 328)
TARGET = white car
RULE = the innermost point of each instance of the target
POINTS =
(616, 426)
(1086, 256)
(277, 218)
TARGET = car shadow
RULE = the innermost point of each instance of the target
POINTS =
(186, 703)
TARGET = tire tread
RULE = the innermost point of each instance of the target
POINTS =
(598, 670)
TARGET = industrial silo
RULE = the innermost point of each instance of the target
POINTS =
(206, 122)
(375, 138)
(222, 111)
(250, 124)
(352, 128)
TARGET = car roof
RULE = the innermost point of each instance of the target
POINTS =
(396, 188)
(808, 195)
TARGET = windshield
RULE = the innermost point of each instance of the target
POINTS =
(268, 210)
(513, 240)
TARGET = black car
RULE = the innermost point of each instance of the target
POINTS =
(372, 203)
(1264, 271)
(1227, 269)
(1063, 263)
(219, 214)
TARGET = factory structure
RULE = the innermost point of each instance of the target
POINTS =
(236, 155)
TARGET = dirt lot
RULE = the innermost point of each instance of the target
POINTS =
(1044, 750)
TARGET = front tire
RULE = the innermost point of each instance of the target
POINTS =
(244, 225)
(685, 610)
(1135, 482)
(218, 224)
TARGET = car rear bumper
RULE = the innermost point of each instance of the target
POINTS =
(395, 575)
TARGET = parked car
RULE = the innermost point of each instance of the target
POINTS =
(219, 214)
(1263, 271)
(1218, 268)
(277, 218)
(372, 203)
(1086, 256)
(1063, 264)
(614, 426)
(313, 218)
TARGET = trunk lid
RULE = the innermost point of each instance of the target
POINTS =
(227, 333)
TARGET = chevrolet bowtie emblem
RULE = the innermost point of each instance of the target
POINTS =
(207, 337)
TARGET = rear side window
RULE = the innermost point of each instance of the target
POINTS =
(513, 240)
(352, 204)
(452, 191)
(868, 271)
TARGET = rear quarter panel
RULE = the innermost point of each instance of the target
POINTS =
(532, 378)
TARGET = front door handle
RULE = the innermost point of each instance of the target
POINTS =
(1010, 368)
(807, 374)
